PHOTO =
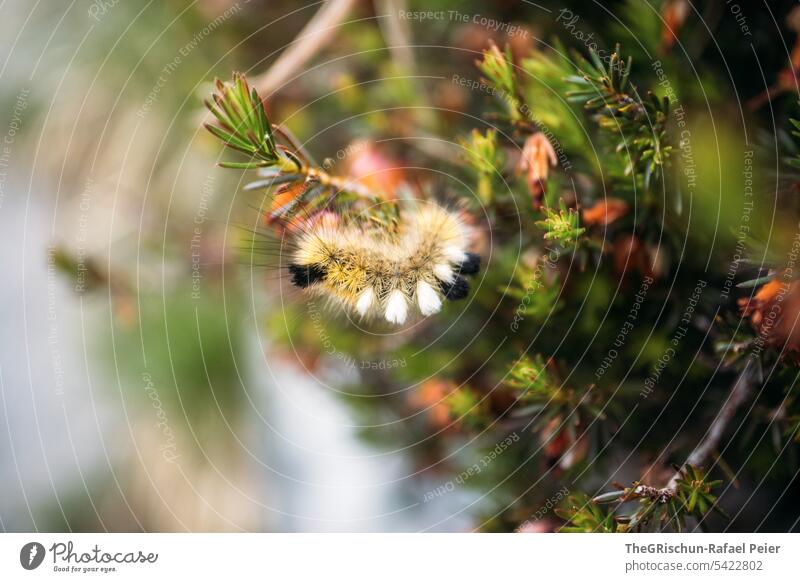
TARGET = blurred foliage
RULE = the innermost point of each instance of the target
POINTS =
(576, 313)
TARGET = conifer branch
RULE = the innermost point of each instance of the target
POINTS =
(243, 126)
(639, 122)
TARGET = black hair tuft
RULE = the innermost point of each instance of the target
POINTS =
(457, 289)
(471, 265)
(305, 275)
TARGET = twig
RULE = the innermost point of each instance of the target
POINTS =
(740, 392)
(290, 138)
(319, 31)
(396, 34)
(757, 102)
(338, 183)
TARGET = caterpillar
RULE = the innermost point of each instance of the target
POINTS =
(372, 271)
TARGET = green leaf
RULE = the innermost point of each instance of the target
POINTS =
(241, 165)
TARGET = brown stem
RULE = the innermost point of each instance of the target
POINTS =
(302, 164)
(764, 97)
(319, 31)
(337, 182)
(397, 35)
(740, 392)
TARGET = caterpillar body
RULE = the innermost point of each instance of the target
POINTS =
(373, 272)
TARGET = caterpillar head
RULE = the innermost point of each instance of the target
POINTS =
(375, 273)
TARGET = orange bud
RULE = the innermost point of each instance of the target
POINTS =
(431, 395)
(283, 198)
(629, 254)
(560, 446)
(774, 312)
(605, 212)
(374, 170)
(674, 14)
(537, 157)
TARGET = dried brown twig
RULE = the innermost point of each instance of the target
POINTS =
(319, 31)
(741, 390)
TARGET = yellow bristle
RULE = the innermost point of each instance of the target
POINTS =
(403, 269)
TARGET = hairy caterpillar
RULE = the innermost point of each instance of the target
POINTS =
(373, 271)
(368, 265)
